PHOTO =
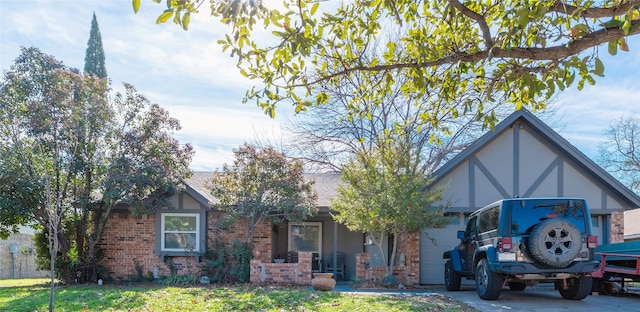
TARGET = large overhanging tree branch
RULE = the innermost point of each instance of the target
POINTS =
(326, 137)
(527, 49)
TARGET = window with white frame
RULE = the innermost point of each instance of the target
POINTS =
(305, 236)
(180, 231)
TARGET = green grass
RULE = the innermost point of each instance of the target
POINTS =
(241, 298)
(13, 282)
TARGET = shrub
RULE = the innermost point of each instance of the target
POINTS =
(241, 257)
(213, 265)
(180, 280)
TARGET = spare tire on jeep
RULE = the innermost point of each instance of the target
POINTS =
(555, 242)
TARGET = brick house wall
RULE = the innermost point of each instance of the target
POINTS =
(261, 236)
(409, 246)
(407, 272)
(290, 273)
(617, 227)
(128, 240)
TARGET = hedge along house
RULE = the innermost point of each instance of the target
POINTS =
(523, 157)
(179, 237)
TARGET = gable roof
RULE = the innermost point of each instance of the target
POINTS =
(196, 186)
(325, 186)
(553, 139)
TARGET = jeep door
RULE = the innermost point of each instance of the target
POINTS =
(469, 243)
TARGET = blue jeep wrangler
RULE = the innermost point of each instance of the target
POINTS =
(525, 241)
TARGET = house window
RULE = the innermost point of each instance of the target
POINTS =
(180, 231)
(305, 236)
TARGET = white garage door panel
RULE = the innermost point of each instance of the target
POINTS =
(431, 262)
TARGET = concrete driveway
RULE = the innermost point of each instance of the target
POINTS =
(541, 298)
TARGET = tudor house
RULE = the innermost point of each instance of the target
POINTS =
(521, 157)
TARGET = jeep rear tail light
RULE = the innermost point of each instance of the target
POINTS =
(505, 243)
(592, 242)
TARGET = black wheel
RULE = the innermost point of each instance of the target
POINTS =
(577, 288)
(517, 286)
(488, 284)
(555, 242)
(451, 277)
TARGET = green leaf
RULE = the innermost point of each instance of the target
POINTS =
(314, 8)
(165, 16)
(185, 20)
(571, 78)
(613, 47)
(176, 19)
(136, 6)
(523, 20)
(626, 27)
(599, 69)
(464, 68)
(612, 24)
(560, 84)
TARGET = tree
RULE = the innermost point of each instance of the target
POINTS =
(526, 49)
(60, 132)
(385, 192)
(327, 136)
(144, 164)
(94, 56)
(620, 154)
(38, 112)
(94, 64)
(262, 184)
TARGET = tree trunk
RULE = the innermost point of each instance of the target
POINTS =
(92, 261)
(394, 249)
(53, 250)
(99, 223)
(80, 234)
(81, 227)
(383, 255)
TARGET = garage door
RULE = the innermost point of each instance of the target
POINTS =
(431, 262)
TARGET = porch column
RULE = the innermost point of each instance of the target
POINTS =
(335, 247)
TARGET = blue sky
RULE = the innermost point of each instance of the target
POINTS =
(188, 74)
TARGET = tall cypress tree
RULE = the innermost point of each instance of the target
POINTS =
(94, 57)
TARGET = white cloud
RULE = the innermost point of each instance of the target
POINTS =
(589, 112)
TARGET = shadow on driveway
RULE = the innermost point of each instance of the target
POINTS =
(538, 298)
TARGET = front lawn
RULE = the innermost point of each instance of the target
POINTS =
(242, 298)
